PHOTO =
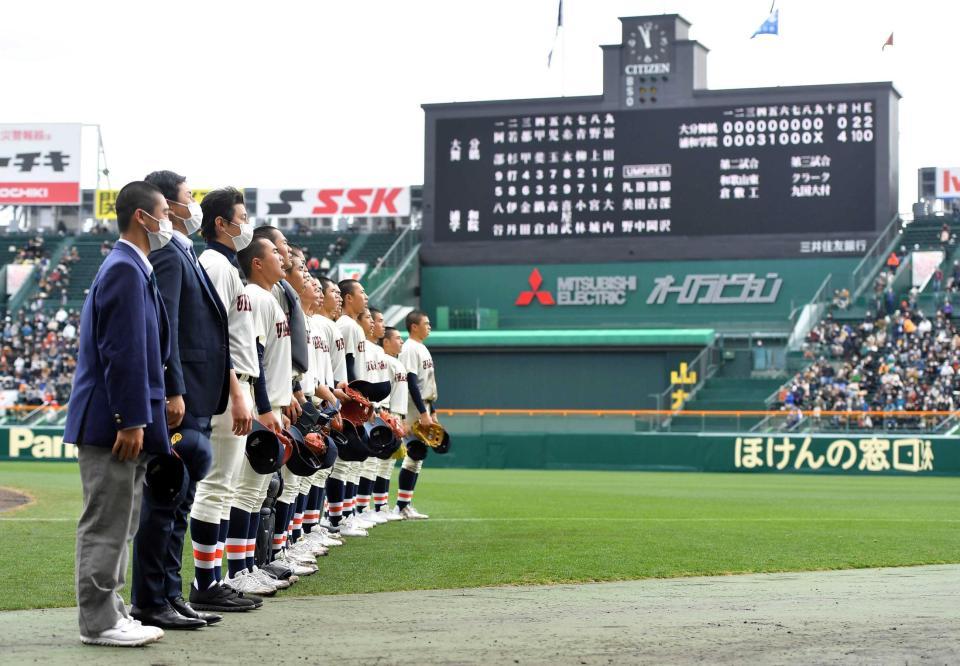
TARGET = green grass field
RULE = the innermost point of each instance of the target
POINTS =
(497, 527)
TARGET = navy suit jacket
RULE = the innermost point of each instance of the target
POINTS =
(123, 345)
(199, 365)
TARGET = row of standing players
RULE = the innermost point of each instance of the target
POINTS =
(182, 353)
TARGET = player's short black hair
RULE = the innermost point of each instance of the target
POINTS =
(414, 317)
(325, 283)
(168, 182)
(267, 231)
(138, 195)
(386, 333)
(348, 287)
(256, 250)
(374, 311)
(218, 203)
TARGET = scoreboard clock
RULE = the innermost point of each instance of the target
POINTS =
(647, 57)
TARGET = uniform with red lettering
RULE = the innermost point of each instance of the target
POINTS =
(422, 387)
(397, 406)
(214, 524)
(262, 264)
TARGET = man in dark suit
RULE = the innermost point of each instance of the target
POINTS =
(117, 413)
(197, 381)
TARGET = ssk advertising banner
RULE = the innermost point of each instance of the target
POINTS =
(40, 164)
(334, 202)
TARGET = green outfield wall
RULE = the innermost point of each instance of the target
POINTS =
(612, 447)
(731, 294)
(818, 454)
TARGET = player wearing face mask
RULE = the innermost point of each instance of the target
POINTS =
(214, 527)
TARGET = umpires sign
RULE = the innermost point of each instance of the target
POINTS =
(40, 164)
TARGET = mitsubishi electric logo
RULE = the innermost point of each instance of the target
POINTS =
(526, 297)
(580, 290)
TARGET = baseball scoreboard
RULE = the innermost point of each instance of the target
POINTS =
(659, 167)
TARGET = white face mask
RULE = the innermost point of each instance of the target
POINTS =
(193, 222)
(246, 235)
(161, 237)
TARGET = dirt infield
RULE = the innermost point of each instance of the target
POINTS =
(902, 615)
(11, 499)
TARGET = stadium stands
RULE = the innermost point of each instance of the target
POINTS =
(897, 348)
(36, 366)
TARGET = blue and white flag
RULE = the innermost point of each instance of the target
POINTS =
(771, 26)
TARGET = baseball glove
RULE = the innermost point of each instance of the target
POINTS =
(394, 423)
(431, 435)
(358, 409)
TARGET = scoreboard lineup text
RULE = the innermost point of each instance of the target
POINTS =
(681, 172)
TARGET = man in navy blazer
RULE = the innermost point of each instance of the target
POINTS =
(117, 413)
(197, 387)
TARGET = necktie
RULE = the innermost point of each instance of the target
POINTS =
(298, 343)
(156, 290)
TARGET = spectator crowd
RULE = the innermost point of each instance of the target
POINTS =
(898, 359)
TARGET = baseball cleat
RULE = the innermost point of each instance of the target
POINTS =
(245, 582)
(220, 599)
(410, 513)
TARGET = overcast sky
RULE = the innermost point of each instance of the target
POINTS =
(320, 94)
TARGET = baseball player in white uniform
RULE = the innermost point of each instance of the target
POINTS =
(318, 385)
(422, 386)
(213, 523)
(263, 267)
(377, 371)
(397, 406)
(353, 305)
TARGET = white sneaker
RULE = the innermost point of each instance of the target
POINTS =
(127, 632)
(246, 582)
(308, 549)
(301, 557)
(400, 515)
(325, 523)
(324, 538)
(376, 517)
(412, 514)
(348, 529)
(317, 540)
(268, 580)
(363, 522)
(297, 568)
(388, 514)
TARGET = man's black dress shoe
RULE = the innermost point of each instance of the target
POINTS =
(165, 618)
(181, 606)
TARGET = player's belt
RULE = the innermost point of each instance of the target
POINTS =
(246, 378)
